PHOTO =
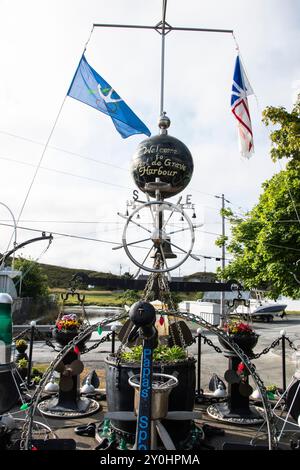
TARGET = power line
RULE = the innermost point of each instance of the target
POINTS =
(65, 221)
(63, 234)
(68, 152)
(64, 172)
(95, 160)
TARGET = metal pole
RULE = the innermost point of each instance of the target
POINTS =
(113, 339)
(198, 392)
(162, 72)
(283, 360)
(199, 364)
(32, 324)
(222, 306)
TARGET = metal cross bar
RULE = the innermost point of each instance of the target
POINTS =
(159, 28)
(163, 28)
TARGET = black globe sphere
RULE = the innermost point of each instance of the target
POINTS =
(142, 313)
(163, 157)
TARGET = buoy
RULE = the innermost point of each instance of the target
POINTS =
(256, 395)
(52, 386)
(220, 391)
(87, 387)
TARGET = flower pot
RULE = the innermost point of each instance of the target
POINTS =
(21, 356)
(23, 372)
(22, 348)
(63, 337)
(246, 341)
(120, 394)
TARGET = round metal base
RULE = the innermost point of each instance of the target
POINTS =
(85, 407)
(221, 412)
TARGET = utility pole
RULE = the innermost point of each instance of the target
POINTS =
(222, 304)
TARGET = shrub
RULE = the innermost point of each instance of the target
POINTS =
(161, 354)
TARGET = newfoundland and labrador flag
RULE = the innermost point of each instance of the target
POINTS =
(88, 87)
(239, 107)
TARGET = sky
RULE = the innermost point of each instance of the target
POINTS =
(84, 179)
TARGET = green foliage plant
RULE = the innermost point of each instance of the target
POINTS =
(162, 353)
(22, 363)
(21, 343)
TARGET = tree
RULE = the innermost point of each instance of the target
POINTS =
(285, 140)
(34, 281)
(266, 243)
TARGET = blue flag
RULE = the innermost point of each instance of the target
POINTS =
(87, 86)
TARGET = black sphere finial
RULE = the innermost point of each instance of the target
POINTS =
(142, 313)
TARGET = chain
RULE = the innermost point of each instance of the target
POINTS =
(266, 350)
(164, 296)
(97, 344)
(22, 334)
(167, 297)
(291, 345)
(210, 343)
(274, 344)
(28, 423)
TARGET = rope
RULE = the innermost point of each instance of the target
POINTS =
(46, 146)
(40, 162)
(246, 72)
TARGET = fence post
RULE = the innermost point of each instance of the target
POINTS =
(113, 337)
(198, 391)
(283, 334)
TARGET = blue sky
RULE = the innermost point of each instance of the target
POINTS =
(41, 43)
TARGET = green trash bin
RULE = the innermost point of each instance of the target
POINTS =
(5, 328)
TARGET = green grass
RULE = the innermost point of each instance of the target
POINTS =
(100, 298)
(111, 298)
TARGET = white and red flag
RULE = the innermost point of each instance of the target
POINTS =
(241, 88)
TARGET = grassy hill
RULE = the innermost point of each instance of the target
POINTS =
(59, 277)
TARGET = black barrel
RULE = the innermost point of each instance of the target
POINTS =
(120, 395)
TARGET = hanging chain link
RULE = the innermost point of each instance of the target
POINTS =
(291, 345)
(22, 334)
(97, 344)
(210, 343)
(267, 349)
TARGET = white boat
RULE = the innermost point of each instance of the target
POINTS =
(246, 306)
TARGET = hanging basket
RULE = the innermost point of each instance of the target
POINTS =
(63, 337)
(70, 325)
(245, 341)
